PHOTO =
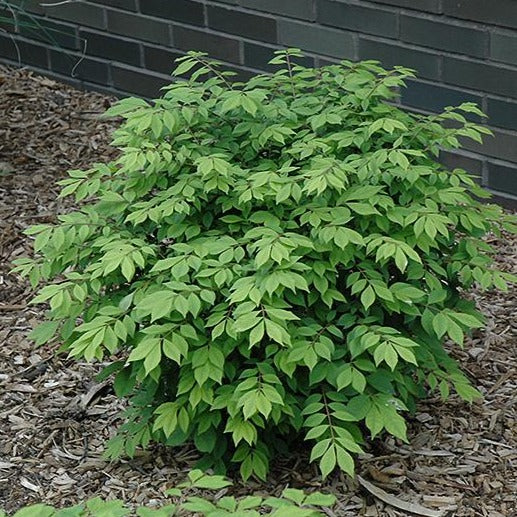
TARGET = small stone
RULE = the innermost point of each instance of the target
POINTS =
(475, 352)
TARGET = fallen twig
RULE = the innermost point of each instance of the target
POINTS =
(14, 307)
(396, 502)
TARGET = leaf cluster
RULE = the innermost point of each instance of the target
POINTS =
(292, 503)
(271, 261)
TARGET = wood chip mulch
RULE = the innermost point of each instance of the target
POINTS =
(55, 419)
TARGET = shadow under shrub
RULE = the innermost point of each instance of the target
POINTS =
(270, 261)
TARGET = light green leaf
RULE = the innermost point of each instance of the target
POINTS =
(328, 462)
(368, 297)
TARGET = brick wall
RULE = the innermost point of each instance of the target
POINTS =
(463, 50)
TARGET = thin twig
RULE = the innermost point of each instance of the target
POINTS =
(396, 502)
(72, 73)
(61, 3)
(13, 307)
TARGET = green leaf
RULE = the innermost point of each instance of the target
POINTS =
(174, 492)
(467, 392)
(127, 268)
(246, 321)
(44, 332)
(358, 381)
(74, 511)
(344, 378)
(328, 462)
(368, 297)
(198, 504)
(396, 426)
(124, 382)
(167, 419)
(184, 67)
(374, 421)
(440, 324)
(36, 510)
(277, 332)
(158, 304)
(319, 499)
(345, 461)
(114, 508)
(211, 482)
(455, 332)
(257, 333)
(443, 386)
(316, 432)
(320, 448)
(294, 495)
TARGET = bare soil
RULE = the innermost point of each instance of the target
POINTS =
(55, 419)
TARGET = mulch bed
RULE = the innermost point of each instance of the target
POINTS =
(54, 418)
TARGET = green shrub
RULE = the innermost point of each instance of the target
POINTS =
(268, 260)
(293, 503)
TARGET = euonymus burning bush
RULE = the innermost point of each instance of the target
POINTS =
(270, 261)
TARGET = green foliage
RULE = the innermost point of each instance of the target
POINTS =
(293, 503)
(270, 261)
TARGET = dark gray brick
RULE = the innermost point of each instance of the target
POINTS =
(128, 5)
(322, 40)
(138, 26)
(426, 64)
(78, 67)
(30, 6)
(303, 9)
(502, 113)
(376, 20)
(111, 47)
(233, 21)
(325, 61)
(457, 160)
(431, 6)
(7, 21)
(502, 145)
(444, 36)
(502, 177)
(482, 76)
(134, 80)
(496, 12)
(8, 47)
(258, 56)
(433, 97)
(160, 60)
(218, 46)
(54, 33)
(83, 14)
(186, 11)
(504, 200)
(503, 47)
(106, 90)
(29, 53)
